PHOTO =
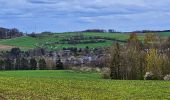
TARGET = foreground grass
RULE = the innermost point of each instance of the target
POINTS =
(70, 85)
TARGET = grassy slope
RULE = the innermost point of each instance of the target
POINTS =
(165, 33)
(21, 41)
(29, 42)
(71, 85)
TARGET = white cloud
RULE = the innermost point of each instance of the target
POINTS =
(95, 12)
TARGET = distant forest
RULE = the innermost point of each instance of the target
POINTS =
(9, 33)
(6, 33)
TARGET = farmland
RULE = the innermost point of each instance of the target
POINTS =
(26, 42)
(164, 33)
(84, 50)
(37, 83)
(70, 85)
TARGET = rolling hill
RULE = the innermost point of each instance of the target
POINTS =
(53, 41)
(27, 42)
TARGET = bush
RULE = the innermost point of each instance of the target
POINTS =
(82, 69)
(33, 64)
(105, 72)
(96, 69)
(149, 76)
(167, 78)
(42, 64)
(85, 69)
(59, 65)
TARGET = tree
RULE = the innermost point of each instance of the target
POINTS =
(42, 64)
(134, 42)
(9, 33)
(33, 64)
(134, 64)
(18, 64)
(133, 37)
(86, 50)
(15, 52)
(8, 64)
(24, 64)
(149, 38)
(165, 64)
(111, 30)
(59, 65)
(154, 62)
(2, 64)
(115, 62)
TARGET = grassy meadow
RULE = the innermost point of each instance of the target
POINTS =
(71, 85)
(164, 33)
(26, 42)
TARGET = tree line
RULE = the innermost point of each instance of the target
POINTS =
(28, 64)
(15, 59)
(9, 33)
(148, 58)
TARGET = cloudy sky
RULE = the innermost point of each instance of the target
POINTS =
(74, 15)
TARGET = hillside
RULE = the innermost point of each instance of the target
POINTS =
(164, 33)
(60, 40)
(54, 41)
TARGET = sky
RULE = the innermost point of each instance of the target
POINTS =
(75, 15)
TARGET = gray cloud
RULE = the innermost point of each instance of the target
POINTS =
(108, 12)
(42, 1)
(85, 8)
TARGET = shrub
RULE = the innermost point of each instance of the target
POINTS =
(96, 69)
(59, 65)
(105, 72)
(33, 64)
(167, 78)
(85, 69)
(149, 76)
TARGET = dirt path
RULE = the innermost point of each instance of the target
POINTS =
(6, 47)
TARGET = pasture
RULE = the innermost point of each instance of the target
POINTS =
(164, 34)
(71, 85)
(26, 42)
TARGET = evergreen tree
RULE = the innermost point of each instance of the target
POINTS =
(24, 64)
(2, 65)
(33, 64)
(15, 52)
(59, 65)
(8, 64)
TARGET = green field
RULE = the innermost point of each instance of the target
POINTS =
(164, 33)
(26, 42)
(30, 42)
(70, 85)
